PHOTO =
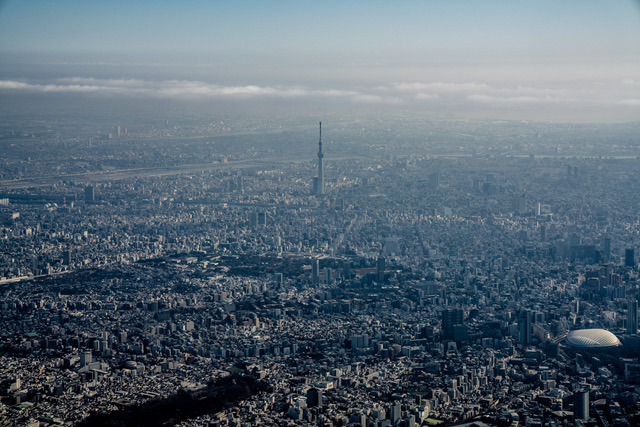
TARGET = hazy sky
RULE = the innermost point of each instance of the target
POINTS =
(540, 60)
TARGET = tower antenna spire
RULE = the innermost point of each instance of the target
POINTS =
(320, 182)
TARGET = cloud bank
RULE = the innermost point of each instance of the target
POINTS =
(623, 94)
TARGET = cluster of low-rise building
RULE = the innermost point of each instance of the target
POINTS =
(419, 289)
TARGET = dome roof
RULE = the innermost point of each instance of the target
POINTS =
(592, 338)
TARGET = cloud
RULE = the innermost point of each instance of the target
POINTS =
(631, 82)
(515, 100)
(69, 86)
(175, 89)
(446, 96)
(424, 96)
(437, 87)
(10, 84)
(632, 102)
(90, 81)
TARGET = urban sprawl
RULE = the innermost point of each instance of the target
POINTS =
(200, 273)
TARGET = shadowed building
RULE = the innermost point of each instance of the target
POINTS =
(314, 397)
(581, 405)
(89, 194)
(632, 316)
(450, 319)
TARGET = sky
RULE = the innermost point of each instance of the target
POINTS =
(537, 60)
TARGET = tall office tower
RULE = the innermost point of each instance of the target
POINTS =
(524, 327)
(395, 412)
(606, 248)
(581, 405)
(381, 268)
(85, 358)
(328, 273)
(279, 280)
(262, 218)
(320, 182)
(34, 265)
(315, 271)
(451, 318)
(629, 258)
(253, 219)
(240, 183)
(66, 257)
(346, 270)
(314, 397)
(89, 194)
(632, 316)
(543, 233)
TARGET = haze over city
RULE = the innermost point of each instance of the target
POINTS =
(545, 61)
(336, 213)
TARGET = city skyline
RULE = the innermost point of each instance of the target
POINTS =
(461, 248)
(466, 272)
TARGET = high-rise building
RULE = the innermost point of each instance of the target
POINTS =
(460, 333)
(629, 258)
(360, 341)
(380, 271)
(328, 275)
(319, 184)
(451, 318)
(525, 327)
(606, 248)
(632, 316)
(346, 270)
(315, 271)
(581, 405)
(279, 280)
(395, 412)
(253, 219)
(314, 397)
(543, 233)
(66, 257)
(85, 358)
(89, 194)
(262, 218)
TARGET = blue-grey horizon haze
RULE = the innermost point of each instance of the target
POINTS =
(546, 61)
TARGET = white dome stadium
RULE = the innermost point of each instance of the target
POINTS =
(592, 338)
